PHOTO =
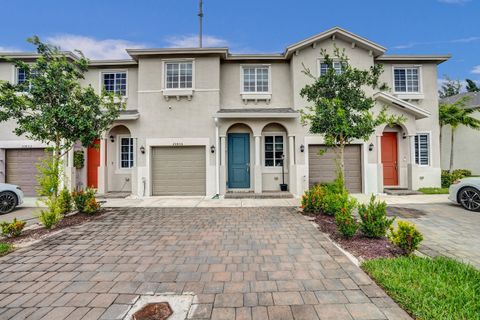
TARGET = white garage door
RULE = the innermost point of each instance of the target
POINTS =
(21, 168)
(322, 167)
(178, 171)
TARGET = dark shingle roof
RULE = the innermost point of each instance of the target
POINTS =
(472, 103)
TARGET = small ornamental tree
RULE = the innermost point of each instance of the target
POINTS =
(341, 110)
(52, 107)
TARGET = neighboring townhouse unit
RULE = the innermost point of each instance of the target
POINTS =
(203, 121)
(466, 145)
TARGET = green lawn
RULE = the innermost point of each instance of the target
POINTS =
(5, 248)
(439, 288)
(434, 190)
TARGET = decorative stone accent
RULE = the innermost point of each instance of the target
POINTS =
(153, 311)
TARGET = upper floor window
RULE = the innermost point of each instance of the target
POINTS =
(23, 78)
(324, 67)
(126, 152)
(256, 79)
(422, 149)
(179, 75)
(274, 151)
(115, 82)
(406, 79)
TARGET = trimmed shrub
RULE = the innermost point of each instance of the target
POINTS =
(52, 215)
(406, 237)
(312, 199)
(346, 223)
(91, 206)
(12, 229)
(333, 202)
(64, 201)
(85, 201)
(374, 222)
(448, 178)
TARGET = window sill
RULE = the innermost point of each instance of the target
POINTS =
(178, 93)
(123, 170)
(409, 96)
(255, 97)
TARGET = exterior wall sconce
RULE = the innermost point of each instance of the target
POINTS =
(212, 149)
(404, 135)
(112, 139)
(142, 149)
(302, 148)
(370, 147)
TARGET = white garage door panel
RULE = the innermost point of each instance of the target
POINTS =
(179, 171)
(21, 168)
(322, 167)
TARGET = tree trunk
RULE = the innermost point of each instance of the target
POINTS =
(56, 165)
(451, 150)
(341, 165)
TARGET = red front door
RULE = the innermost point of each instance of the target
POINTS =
(389, 159)
(93, 162)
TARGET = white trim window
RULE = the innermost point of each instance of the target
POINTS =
(406, 79)
(256, 79)
(422, 149)
(115, 82)
(274, 150)
(337, 65)
(22, 78)
(126, 152)
(179, 75)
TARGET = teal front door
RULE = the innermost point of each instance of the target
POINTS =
(238, 160)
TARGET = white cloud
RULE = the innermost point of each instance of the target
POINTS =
(93, 48)
(476, 69)
(454, 1)
(191, 41)
(9, 49)
(429, 43)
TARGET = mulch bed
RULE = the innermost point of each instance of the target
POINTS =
(40, 233)
(360, 246)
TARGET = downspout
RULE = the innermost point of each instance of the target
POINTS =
(217, 161)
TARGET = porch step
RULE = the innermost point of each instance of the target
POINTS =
(114, 195)
(263, 195)
(400, 191)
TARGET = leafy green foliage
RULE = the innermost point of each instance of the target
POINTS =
(406, 236)
(335, 196)
(49, 175)
(52, 215)
(346, 223)
(312, 199)
(449, 177)
(472, 86)
(374, 222)
(85, 201)
(340, 108)
(449, 87)
(12, 229)
(438, 288)
(78, 159)
(5, 248)
(65, 201)
(433, 190)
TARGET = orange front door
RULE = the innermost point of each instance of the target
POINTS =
(389, 159)
(93, 162)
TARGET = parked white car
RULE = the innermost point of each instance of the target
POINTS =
(466, 192)
(10, 197)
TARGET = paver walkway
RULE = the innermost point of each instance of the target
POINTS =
(237, 263)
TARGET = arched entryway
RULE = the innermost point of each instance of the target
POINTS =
(239, 157)
(120, 159)
(394, 156)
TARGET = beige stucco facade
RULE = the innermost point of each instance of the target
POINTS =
(216, 106)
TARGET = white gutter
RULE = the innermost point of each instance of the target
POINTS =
(217, 160)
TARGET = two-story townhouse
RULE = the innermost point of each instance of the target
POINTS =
(203, 121)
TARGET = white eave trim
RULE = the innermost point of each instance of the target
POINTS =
(418, 112)
(229, 115)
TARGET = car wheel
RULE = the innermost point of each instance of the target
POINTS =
(469, 198)
(8, 202)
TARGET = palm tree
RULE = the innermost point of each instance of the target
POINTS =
(456, 114)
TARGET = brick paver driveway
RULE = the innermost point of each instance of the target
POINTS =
(235, 263)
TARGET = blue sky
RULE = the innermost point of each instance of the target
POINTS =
(103, 28)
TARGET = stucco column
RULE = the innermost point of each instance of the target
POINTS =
(292, 177)
(380, 165)
(70, 171)
(411, 162)
(257, 183)
(102, 169)
(223, 168)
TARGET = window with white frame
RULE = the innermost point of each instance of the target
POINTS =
(256, 79)
(126, 152)
(274, 151)
(23, 78)
(337, 66)
(422, 149)
(179, 75)
(115, 82)
(406, 80)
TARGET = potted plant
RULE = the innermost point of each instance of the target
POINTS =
(283, 185)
